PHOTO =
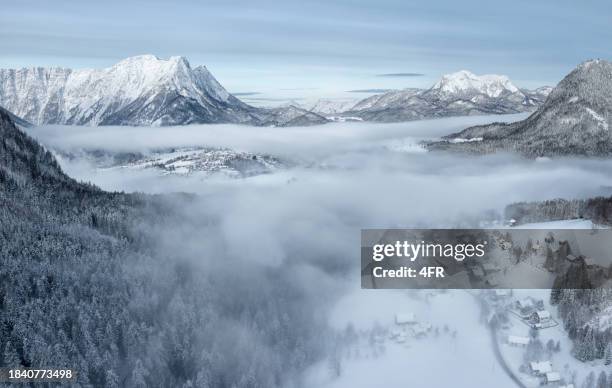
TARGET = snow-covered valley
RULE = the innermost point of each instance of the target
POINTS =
(455, 349)
(301, 198)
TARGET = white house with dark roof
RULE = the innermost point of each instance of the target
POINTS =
(540, 368)
(541, 316)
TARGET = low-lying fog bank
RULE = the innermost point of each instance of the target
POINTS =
(303, 221)
(359, 174)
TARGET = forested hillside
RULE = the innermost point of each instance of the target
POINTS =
(598, 209)
(586, 313)
(587, 317)
(85, 284)
(574, 120)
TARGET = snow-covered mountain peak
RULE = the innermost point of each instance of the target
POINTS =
(592, 68)
(128, 80)
(574, 119)
(458, 94)
(95, 96)
(463, 81)
(140, 90)
(146, 70)
(589, 63)
(149, 70)
(206, 81)
(328, 106)
(149, 59)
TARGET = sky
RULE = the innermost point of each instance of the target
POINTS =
(268, 51)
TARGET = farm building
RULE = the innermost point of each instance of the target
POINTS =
(514, 340)
(540, 316)
(540, 368)
(553, 377)
(502, 294)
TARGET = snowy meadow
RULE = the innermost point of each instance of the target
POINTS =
(295, 230)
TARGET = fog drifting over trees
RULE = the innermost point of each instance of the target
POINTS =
(233, 283)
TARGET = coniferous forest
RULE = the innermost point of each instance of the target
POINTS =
(85, 284)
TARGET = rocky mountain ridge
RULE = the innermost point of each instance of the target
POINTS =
(458, 94)
(575, 120)
(142, 90)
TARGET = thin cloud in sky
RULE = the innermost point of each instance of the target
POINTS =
(369, 90)
(245, 93)
(273, 99)
(299, 89)
(400, 75)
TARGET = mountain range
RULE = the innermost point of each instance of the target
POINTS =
(574, 120)
(141, 90)
(149, 91)
(458, 94)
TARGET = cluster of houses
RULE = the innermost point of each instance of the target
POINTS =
(544, 370)
(541, 369)
(532, 312)
(409, 327)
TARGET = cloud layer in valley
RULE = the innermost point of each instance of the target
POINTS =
(354, 174)
(281, 233)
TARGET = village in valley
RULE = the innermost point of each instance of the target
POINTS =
(516, 325)
(511, 287)
(518, 334)
(533, 343)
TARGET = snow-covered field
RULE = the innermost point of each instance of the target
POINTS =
(344, 177)
(456, 352)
